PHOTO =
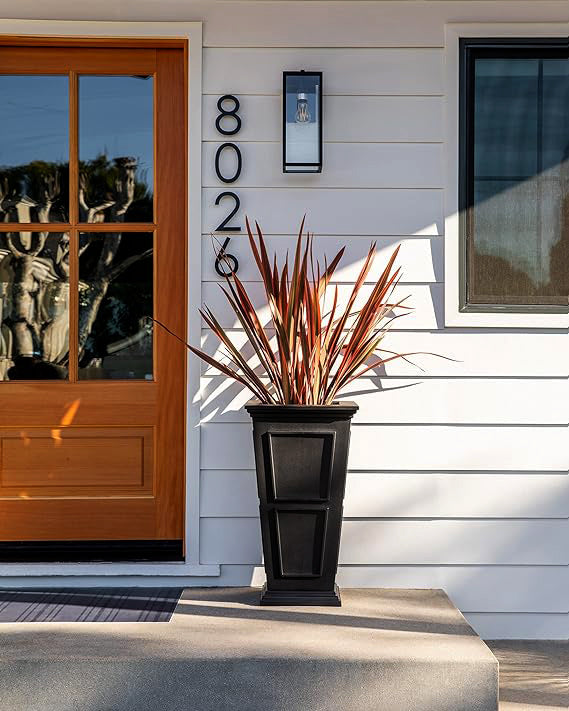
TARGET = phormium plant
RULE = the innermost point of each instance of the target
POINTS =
(319, 346)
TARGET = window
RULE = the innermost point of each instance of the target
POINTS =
(514, 175)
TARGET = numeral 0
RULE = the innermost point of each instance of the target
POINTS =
(218, 153)
(233, 114)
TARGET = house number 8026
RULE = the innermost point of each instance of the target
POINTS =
(225, 263)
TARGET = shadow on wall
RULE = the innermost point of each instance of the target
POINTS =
(223, 401)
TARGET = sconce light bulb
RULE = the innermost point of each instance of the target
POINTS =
(302, 113)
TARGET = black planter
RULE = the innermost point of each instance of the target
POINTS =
(301, 456)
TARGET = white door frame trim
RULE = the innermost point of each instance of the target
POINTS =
(191, 31)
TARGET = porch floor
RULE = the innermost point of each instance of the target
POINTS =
(383, 650)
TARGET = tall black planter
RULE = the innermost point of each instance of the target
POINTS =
(301, 456)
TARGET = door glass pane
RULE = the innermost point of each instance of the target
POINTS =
(34, 306)
(116, 147)
(520, 231)
(115, 302)
(34, 148)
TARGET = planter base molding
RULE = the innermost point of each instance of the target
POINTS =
(301, 597)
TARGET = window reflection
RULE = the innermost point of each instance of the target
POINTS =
(520, 237)
(116, 148)
(115, 303)
(34, 148)
(34, 306)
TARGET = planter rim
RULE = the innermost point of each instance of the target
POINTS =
(346, 407)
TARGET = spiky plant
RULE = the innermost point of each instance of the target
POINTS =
(317, 350)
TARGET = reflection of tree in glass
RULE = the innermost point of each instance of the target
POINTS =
(34, 266)
(114, 310)
(47, 181)
(34, 297)
(108, 191)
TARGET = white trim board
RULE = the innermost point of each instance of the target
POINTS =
(191, 31)
(453, 316)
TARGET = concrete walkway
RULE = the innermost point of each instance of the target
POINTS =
(384, 650)
(534, 675)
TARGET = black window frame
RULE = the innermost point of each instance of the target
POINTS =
(471, 49)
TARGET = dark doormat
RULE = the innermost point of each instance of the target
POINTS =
(89, 605)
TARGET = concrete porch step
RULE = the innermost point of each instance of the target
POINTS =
(383, 650)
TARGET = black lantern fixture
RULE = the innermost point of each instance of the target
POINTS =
(302, 122)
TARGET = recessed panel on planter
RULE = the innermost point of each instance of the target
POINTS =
(301, 465)
(300, 542)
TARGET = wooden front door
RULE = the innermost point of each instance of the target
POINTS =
(92, 244)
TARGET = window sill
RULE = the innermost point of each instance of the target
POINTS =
(478, 319)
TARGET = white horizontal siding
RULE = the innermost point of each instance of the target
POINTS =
(519, 626)
(346, 211)
(473, 588)
(302, 24)
(359, 165)
(341, 24)
(425, 302)
(404, 542)
(490, 495)
(494, 588)
(459, 473)
(427, 401)
(475, 353)
(420, 258)
(451, 542)
(418, 447)
(233, 493)
(413, 119)
(351, 71)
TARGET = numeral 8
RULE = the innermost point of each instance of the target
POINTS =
(223, 113)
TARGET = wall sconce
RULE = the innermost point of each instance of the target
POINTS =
(302, 122)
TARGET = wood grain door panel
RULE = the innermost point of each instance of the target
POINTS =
(102, 459)
(58, 406)
(60, 60)
(76, 519)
